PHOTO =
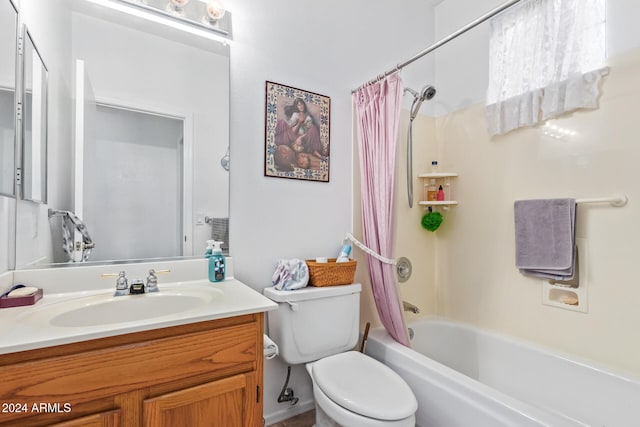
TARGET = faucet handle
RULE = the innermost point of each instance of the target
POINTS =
(152, 279)
(122, 285)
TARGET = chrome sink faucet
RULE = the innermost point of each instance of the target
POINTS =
(137, 286)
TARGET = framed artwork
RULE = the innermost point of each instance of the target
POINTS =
(296, 133)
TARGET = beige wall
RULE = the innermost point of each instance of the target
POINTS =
(466, 270)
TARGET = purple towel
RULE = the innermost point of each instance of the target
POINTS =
(545, 237)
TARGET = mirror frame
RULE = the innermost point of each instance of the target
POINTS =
(17, 136)
(26, 193)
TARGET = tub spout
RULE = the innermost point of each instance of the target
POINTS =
(407, 306)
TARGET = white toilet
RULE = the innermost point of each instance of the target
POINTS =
(319, 326)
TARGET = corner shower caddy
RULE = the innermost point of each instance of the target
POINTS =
(444, 179)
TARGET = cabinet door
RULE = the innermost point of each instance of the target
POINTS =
(214, 404)
(103, 419)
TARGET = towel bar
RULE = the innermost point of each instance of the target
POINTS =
(615, 200)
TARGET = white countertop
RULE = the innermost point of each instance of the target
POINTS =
(23, 328)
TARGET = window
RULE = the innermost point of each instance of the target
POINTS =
(546, 58)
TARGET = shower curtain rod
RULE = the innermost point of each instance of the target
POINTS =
(445, 40)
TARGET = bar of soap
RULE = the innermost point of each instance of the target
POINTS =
(570, 300)
(22, 292)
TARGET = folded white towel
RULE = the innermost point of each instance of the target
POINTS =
(270, 348)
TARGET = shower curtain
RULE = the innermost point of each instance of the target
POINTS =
(378, 116)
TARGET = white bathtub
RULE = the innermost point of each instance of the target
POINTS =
(466, 377)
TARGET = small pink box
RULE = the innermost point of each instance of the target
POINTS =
(7, 302)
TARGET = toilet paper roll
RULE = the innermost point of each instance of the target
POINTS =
(322, 259)
(270, 348)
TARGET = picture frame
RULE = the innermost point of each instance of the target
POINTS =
(297, 133)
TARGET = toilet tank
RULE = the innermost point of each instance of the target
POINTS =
(314, 322)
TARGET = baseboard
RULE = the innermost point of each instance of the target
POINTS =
(288, 412)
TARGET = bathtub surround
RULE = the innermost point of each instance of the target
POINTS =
(529, 164)
(378, 118)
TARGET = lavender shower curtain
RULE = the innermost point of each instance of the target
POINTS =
(378, 116)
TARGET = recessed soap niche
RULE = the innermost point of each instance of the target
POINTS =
(570, 295)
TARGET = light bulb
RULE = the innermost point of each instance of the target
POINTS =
(215, 10)
(177, 6)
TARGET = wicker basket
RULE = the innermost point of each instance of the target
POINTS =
(331, 273)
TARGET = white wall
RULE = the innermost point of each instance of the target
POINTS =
(328, 47)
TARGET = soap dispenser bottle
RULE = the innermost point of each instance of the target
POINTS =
(216, 264)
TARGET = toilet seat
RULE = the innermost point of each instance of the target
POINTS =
(363, 385)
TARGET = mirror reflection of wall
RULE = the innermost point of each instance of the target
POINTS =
(133, 170)
(137, 66)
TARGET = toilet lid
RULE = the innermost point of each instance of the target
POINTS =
(365, 386)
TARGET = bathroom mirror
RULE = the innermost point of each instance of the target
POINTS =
(135, 101)
(34, 123)
(8, 53)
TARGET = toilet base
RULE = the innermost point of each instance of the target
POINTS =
(323, 420)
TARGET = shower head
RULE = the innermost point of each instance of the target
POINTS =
(426, 93)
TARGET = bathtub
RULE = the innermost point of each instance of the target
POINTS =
(467, 377)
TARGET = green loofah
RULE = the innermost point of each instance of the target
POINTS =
(431, 220)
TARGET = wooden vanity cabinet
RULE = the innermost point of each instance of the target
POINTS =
(201, 374)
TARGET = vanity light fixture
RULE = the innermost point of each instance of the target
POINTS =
(190, 16)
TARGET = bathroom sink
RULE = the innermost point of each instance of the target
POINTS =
(105, 309)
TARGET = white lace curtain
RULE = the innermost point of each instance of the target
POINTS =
(546, 58)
